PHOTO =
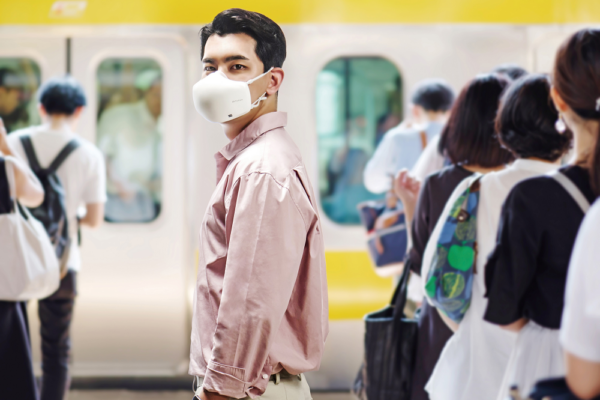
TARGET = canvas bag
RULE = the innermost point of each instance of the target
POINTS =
(28, 266)
(450, 278)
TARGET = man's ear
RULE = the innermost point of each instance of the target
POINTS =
(558, 101)
(42, 111)
(277, 76)
(77, 112)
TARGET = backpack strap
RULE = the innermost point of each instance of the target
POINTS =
(30, 153)
(572, 189)
(62, 156)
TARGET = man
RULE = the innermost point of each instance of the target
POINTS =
(129, 135)
(260, 309)
(400, 147)
(82, 176)
(10, 93)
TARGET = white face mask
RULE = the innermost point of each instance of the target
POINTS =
(219, 99)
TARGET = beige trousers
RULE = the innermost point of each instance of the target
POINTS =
(285, 387)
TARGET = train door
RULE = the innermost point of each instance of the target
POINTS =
(132, 306)
(25, 60)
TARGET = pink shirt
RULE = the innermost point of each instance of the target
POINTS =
(261, 295)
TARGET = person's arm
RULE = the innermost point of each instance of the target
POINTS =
(378, 173)
(94, 215)
(512, 265)
(583, 376)
(266, 236)
(29, 191)
(407, 188)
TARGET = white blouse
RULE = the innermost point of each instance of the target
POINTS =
(580, 328)
(472, 364)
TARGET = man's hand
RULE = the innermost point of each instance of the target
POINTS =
(204, 395)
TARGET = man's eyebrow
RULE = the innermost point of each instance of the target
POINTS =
(228, 59)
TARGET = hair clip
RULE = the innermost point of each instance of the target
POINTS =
(598, 104)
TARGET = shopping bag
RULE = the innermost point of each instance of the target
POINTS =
(28, 266)
(390, 349)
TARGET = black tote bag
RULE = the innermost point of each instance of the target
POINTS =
(390, 348)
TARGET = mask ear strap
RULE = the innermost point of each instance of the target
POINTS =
(258, 77)
(257, 102)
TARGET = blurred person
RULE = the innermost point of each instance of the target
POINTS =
(130, 136)
(512, 71)
(527, 271)
(10, 93)
(82, 175)
(432, 158)
(401, 146)
(16, 88)
(472, 148)
(16, 369)
(473, 361)
(260, 314)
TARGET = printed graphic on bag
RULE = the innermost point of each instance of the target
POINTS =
(450, 277)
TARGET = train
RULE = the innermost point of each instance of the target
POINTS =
(350, 68)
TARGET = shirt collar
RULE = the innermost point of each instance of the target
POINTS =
(257, 128)
(534, 165)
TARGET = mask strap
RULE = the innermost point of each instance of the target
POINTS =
(258, 77)
(257, 102)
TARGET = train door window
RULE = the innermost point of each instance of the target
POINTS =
(357, 101)
(19, 81)
(129, 134)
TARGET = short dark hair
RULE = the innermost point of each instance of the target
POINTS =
(526, 119)
(433, 95)
(469, 137)
(9, 78)
(61, 95)
(513, 71)
(270, 41)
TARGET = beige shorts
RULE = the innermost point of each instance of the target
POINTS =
(282, 387)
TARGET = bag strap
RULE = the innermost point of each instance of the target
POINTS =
(30, 153)
(400, 294)
(572, 189)
(62, 156)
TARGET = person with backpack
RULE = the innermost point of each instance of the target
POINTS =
(527, 272)
(73, 174)
(16, 369)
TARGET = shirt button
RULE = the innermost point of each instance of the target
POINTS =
(265, 376)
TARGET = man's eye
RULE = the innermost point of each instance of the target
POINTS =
(209, 68)
(238, 67)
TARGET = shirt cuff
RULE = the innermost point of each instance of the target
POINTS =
(225, 380)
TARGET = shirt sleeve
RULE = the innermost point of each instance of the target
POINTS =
(511, 267)
(429, 161)
(419, 230)
(580, 328)
(266, 236)
(380, 168)
(95, 185)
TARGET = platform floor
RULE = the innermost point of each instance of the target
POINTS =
(168, 395)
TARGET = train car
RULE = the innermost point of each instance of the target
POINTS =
(349, 72)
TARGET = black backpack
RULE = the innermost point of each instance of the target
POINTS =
(52, 212)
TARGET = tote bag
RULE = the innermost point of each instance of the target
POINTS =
(390, 349)
(28, 265)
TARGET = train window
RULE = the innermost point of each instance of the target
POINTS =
(357, 101)
(129, 133)
(19, 80)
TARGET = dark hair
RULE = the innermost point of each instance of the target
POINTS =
(433, 95)
(9, 78)
(576, 78)
(526, 119)
(270, 41)
(62, 95)
(512, 71)
(469, 137)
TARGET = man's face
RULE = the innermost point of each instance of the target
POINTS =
(153, 99)
(9, 100)
(235, 56)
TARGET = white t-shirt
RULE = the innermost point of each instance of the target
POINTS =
(83, 174)
(473, 362)
(580, 327)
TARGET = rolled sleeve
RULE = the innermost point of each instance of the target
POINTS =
(266, 237)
